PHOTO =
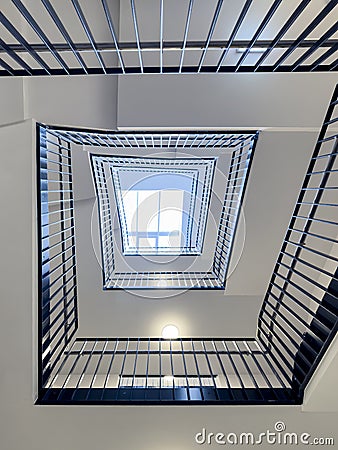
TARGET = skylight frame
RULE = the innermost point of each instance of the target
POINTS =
(206, 165)
(178, 251)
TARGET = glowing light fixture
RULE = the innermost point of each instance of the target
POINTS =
(252, 50)
(170, 332)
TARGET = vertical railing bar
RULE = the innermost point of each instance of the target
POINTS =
(6, 66)
(34, 25)
(186, 31)
(314, 47)
(222, 366)
(233, 33)
(249, 371)
(84, 369)
(279, 362)
(282, 32)
(15, 57)
(197, 369)
(64, 33)
(112, 32)
(160, 364)
(210, 368)
(136, 141)
(172, 367)
(325, 11)
(305, 277)
(88, 32)
(30, 50)
(268, 362)
(122, 366)
(110, 140)
(186, 141)
(96, 369)
(71, 369)
(63, 244)
(109, 367)
(259, 31)
(64, 363)
(193, 141)
(133, 11)
(334, 65)
(277, 312)
(44, 368)
(308, 264)
(161, 36)
(210, 33)
(234, 367)
(323, 57)
(185, 369)
(300, 289)
(72, 222)
(262, 372)
(147, 363)
(135, 362)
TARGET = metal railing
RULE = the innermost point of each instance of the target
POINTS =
(58, 319)
(237, 178)
(296, 324)
(157, 371)
(105, 221)
(212, 36)
(298, 319)
(241, 146)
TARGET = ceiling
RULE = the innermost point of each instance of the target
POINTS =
(49, 37)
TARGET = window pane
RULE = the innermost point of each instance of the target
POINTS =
(147, 210)
(171, 210)
(130, 209)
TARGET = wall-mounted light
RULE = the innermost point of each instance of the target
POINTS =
(170, 332)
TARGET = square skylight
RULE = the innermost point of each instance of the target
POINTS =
(162, 203)
(154, 220)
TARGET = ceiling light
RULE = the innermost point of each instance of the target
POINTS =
(170, 332)
(251, 50)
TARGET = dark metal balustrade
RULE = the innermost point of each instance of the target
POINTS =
(298, 319)
(157, 371)
(58, 316)
(298, 36)
(241, 146)
(296, 324)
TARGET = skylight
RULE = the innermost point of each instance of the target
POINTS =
(162, 204)
(154, 220)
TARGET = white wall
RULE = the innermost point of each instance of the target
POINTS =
(11, 103)
(80, 101)
(224, 100)
(24, 426)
